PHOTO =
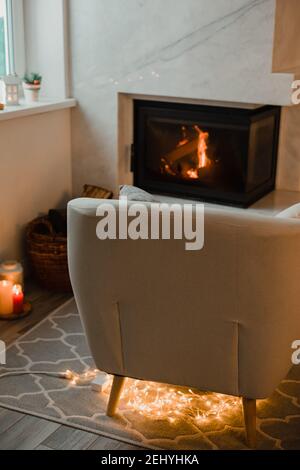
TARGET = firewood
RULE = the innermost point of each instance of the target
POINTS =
(96, 192)
(182, 151)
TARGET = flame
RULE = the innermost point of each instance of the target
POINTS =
(203, 161)
(191, 170)
(17, 289)
(193, 174)
(184, 139)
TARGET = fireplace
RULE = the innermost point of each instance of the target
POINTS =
(209, 153)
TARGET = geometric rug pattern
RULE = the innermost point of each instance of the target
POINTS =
(58, 344)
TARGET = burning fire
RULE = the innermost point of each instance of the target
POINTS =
(202, 147)
(184, 139)
(177, 162)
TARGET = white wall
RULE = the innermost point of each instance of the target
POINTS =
(35, 173)
(45, 40)
(199, 49)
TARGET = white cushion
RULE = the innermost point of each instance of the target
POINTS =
(136, 194)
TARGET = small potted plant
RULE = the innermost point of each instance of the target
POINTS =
(31, 86)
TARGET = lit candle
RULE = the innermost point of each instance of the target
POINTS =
(6, 298)
(18, 298)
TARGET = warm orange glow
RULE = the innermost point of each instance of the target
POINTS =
(164, 402)
(17, 289)
(189, 156)
(184, 139)
(193, 174)
(81, 379)
(159, 401)
(202, 147)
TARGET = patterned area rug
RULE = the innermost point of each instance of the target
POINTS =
(150, 415)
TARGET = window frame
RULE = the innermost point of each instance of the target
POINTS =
(14, 37)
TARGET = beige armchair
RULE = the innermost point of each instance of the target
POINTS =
(221, 319)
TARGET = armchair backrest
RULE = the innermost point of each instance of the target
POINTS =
(220, 319)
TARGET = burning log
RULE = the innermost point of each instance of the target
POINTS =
(182, 151)
(189, 159)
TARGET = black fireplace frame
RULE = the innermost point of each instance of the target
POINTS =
(233, 116)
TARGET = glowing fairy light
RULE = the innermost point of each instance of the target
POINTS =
(80, 379)
(156, 401)
(164, 402)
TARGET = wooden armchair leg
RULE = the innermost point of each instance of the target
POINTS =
(249, 409)
(115, 393)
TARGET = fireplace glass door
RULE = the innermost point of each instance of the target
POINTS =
(225, 155)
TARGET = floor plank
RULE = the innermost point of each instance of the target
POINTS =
(65, 438)
(27, 434)
(104, 443)
(8, 418)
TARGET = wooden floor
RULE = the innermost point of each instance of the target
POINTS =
(24, 432)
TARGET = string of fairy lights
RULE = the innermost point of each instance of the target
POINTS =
(153, 400)
(158, 401)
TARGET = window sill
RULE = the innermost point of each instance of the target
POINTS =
(24, 110)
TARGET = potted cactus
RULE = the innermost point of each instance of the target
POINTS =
(31, 86)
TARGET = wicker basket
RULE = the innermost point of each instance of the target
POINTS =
(47, 252)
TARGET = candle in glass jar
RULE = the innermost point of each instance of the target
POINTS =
(18, 298)
(6, 297)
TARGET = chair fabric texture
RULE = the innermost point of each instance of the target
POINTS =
(221, 319)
